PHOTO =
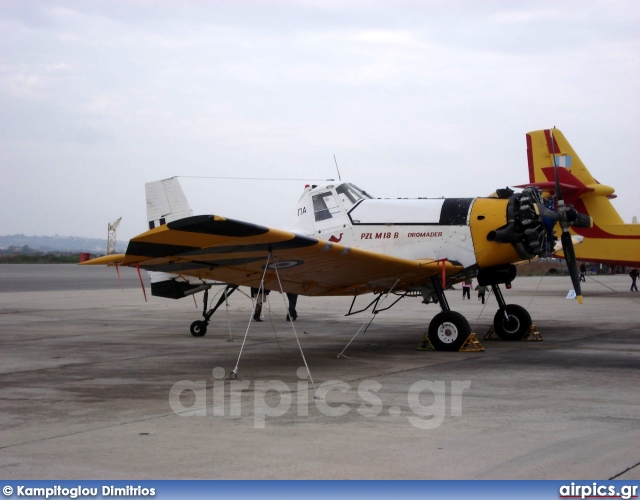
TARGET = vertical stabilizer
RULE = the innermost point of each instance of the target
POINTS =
(166, 202)
(609, 240)
(548, 150)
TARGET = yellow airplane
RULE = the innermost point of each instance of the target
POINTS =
(609, 240)
(343, 241)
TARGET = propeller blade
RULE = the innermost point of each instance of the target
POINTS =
(572, 263)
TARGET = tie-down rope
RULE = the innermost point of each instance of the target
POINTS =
(261, 290)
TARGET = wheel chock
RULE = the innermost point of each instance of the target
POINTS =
(472, 344)
(491, 334)
(532, 334)
(425, 344)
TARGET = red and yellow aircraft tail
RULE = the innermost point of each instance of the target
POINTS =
(610, 240)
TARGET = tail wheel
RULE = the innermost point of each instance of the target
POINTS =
(515, 325)
(448, 330)
(198, 328)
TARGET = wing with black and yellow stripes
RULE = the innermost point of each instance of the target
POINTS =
(215, 248)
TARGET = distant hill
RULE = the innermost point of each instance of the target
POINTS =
(59, 243)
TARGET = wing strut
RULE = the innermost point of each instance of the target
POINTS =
(374, 303)
(375, 312)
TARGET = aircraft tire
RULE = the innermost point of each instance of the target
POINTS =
(448, 330)
(198, 328)
(516, 326)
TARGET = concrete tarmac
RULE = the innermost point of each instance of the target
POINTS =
(97, 384)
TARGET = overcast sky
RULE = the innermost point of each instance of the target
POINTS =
(429, 98)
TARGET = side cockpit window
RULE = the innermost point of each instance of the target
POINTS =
(320, 208)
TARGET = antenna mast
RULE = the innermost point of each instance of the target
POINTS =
(334, 159)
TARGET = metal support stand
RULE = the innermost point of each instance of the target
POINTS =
(373, 305)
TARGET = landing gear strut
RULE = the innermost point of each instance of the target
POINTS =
(199, 327)
(448, 330)
(511, 321)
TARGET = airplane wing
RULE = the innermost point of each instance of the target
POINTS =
(210, 247)
(114, 259)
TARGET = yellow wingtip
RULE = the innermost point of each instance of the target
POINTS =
(579, 299)
(106, 260)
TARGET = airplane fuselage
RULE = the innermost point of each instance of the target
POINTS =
(342, 241)
(455, 229)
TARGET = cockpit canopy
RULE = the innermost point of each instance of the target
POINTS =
(325, 204)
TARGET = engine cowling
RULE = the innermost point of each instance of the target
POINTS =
(530, 233)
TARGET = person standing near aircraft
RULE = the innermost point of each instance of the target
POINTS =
(634, 276)
(583, 271)
(293, 300)
(259, 294)
(466, 288)
(481, 289)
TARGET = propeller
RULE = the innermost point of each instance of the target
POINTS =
(567, 216)
(574, 217)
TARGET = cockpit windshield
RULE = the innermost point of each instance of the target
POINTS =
(351, 194)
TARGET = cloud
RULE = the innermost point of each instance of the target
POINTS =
(414, 98)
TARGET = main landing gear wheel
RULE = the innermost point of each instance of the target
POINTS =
(198, 328)
(448, 330)
(517, 324)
